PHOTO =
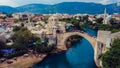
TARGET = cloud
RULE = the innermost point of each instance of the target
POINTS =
(108, 1)
(15, 3)
(7, 2)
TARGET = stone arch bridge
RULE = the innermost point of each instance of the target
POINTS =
(62, 37)
(100, 44)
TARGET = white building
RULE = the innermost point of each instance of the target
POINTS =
(2, 15)
(16, 16)
(105, 17)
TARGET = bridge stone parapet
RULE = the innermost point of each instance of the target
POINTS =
(62, 37)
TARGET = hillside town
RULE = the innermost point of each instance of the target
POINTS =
(38, 24)
(49, 29)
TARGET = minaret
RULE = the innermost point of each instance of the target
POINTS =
(29, 22)
(105, 17)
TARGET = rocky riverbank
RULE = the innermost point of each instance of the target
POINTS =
(23, 62)
(28, 62)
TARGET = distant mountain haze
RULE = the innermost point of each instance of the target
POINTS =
(65, 7)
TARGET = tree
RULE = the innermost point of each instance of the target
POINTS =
(22, 24)
(43, 48)
(73, 21)
(16, 28)
(23, 38)
(46, 39)
(99, 20)
(112, 21)
(85, 18)
(9, 15)
(38, 42)
(2, 45)
(111, 59)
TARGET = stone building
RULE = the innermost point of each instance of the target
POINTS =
(52, 27)
(104, 41)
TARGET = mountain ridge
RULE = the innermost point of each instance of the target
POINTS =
(64, 7)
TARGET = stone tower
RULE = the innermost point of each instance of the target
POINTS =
(52, 25)
(29, 17)
(105, 17)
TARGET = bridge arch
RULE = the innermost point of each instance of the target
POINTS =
(64, 36)
(61, 38)
(73, 37)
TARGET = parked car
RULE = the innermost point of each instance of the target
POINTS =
(26, 55)
(9, 62)
(2, 60)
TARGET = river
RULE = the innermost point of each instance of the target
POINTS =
(80, 55)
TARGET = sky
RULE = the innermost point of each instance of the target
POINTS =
(16, 3)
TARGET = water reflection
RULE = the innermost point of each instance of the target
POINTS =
(80, 55)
